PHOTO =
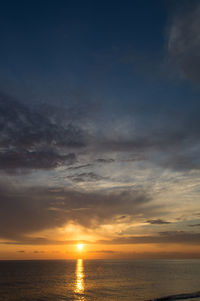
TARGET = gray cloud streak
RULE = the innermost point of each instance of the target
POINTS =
(173, 237)
(158, 222)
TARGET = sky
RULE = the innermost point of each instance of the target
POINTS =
(100, 128)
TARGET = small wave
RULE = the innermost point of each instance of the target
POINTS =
(178, 297)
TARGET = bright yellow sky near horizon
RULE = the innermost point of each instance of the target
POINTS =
(97, 251)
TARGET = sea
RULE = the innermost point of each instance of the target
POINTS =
(99, 280)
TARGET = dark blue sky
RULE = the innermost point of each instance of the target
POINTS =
(113, 51)
(92, 45)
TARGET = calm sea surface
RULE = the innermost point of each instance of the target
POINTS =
(97, 280)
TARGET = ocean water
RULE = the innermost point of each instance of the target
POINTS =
(97, 280)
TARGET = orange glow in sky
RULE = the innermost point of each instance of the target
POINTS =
(80, 247)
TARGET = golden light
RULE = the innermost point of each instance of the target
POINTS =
(80, 247)
(80, 286)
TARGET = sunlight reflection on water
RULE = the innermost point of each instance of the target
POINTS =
(89, 280)
(79, 287)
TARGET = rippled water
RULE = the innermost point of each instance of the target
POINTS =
(97, 280)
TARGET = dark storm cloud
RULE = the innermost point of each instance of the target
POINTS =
(31, 140)
(157, 222)
(24, 211)
(184, 42)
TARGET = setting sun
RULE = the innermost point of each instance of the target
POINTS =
(80, 247)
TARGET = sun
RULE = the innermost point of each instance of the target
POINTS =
(80, 247)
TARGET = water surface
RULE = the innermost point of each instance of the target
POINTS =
(97, 280)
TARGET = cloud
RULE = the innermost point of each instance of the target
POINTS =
(102, 160)
(86, 177)
(37, 159)
(168, 237)
(182, 160)
(41, 241)
(177, 148)
(184, 41)
(79, 166)
(30, 140)
(104, 251)
(157, 222)
(28, 210)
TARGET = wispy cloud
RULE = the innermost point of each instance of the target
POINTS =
(158, 222)
(167, 237)
(184, 42)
